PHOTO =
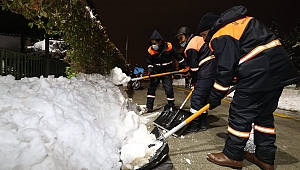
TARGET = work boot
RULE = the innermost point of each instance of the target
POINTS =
(223, 160)
(253, 159)
(202, 121)
(193, 126)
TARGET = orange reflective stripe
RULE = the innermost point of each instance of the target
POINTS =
(151, 51)
(258, 50)
(219, 87)
(264, 129)
(234, 29)
(238, 133)
(206, 59)
(169, 47)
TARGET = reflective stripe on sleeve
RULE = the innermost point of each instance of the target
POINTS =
(181, 61)
(258, 50)
(151, 96)
(150, 66)
(264, 129)
(238, 133)
(170, 98)
(194, 69)
(221, 88)
(206, 59)
(164, 64)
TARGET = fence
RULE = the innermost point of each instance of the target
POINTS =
(22, 65)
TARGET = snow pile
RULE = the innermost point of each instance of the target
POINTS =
(118, 77)
(60, 123)
(136, 152)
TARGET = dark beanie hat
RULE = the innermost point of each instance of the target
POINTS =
(206, 22)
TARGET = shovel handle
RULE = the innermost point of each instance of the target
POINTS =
(187, 98)
(192, 117)
(158, 75)
(196, 114)
(186, 121)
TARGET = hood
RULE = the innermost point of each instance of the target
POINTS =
(230, 15)
(156, 36)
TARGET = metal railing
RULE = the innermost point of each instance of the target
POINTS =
(22, 65)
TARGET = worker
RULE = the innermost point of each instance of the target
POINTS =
(203, 71)
(160, 60)
(249, 51)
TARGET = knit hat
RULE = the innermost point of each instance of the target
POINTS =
(206, 22)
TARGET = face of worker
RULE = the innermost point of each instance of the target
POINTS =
(182, 39)
(156, 44)
(204, 34)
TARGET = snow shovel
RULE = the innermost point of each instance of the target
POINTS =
(160, 74)
(160, 155)
(162, 152)
(178, 125)
(168, 115)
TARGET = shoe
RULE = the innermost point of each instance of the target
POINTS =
(202, 124)
(252, 158)
(223, 160)
(202, 121)
(192, 128)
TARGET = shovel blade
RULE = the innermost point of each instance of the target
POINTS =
(161, 153)
(180, 117)
(164, 117)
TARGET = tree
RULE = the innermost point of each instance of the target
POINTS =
(91, 51)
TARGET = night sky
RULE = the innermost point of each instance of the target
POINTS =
(137, 19)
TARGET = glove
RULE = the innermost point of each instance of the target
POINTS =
(150, 71)
(194, 85)
(213, 103)
(187, 68)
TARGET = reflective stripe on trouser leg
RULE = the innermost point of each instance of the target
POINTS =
(151, 92)
(247, 108)
(239, 126)
(264, 129)
(167, 83)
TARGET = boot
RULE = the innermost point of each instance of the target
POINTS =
(193, 126)
(202, 121)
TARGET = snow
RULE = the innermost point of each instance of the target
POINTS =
(85, 122)
(78, 123)
(289, 99)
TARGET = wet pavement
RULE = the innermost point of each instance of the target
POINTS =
(189, 152)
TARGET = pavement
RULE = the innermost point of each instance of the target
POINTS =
(189, 152)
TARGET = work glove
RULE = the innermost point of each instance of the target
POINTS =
(213, 103)
(150, 71)
(187, 68)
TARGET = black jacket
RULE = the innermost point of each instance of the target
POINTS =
(200, 58)
(162, 60)
(235, 36)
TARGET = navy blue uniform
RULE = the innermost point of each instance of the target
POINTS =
(161, 61)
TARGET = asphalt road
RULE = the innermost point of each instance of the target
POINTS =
(189, 152)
